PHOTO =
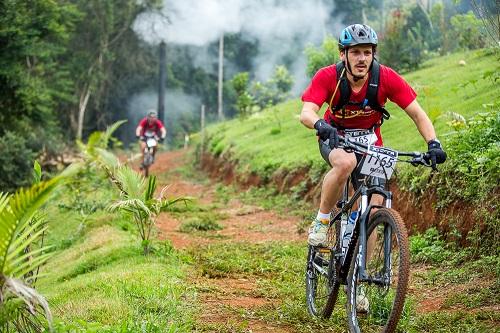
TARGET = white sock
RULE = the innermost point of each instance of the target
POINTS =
(323, 216)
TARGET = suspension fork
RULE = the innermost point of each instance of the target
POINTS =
(363, 224)
(362, 234)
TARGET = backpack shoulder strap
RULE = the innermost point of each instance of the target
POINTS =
(372, 91)
(345, 89)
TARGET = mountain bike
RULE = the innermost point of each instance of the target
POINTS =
(151, 143)
(378, 278)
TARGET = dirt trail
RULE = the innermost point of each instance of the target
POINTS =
(225, 299)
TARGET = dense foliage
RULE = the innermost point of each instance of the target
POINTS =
(63, 66)
(255, 96)
(470, 175)
(414, 34)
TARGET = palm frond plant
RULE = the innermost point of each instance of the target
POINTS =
(94, 150)
(22, 308)
(137, 194)
(138, 200)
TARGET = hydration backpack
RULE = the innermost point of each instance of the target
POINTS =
(371, 92)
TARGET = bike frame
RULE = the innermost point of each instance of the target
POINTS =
(365, 193)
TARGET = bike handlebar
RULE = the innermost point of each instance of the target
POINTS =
(418, 158)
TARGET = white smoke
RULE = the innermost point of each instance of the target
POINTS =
(178, 103)
(279, 26)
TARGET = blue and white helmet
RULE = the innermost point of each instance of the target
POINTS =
(357, 34)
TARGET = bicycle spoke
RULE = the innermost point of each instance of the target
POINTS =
(321, 285)
(382, 293)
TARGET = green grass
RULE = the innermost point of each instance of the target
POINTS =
(200, 224)
(278, 269)
(442, 86)
(98, 280)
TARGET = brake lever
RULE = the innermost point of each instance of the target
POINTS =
(433, 162)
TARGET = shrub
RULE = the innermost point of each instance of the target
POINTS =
(16, 162)
(428, 247)
(324, 56)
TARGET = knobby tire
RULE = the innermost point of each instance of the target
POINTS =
(386, 301)
(322, 291)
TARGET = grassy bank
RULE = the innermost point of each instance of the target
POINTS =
(273, 142)
(98, 280)
(275, 139)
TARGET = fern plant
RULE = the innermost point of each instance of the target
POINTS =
(22, 308)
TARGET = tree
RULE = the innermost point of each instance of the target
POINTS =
(404, 39)
(104, 28)
(467, 31)
(323, 56)
(489, 14)
(275, 90)
(137, 198)
(139, 202)
(32, 36)
(244, 101)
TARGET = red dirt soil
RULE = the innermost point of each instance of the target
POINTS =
(222, 298)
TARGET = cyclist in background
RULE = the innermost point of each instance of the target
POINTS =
(150, 126)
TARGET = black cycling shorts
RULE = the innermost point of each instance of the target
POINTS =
(356, 177)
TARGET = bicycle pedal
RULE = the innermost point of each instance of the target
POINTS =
(324, 250)
(319, 260)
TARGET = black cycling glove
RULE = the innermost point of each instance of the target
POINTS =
(161, 140)
(436, 153)
(327, 132)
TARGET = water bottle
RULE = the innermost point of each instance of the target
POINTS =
(349, 229)
(343, 225)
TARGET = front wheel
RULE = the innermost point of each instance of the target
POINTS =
(376, 304)
(148, 160)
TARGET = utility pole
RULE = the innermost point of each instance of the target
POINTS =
(202, 120)
(220, 112)
(162, 81)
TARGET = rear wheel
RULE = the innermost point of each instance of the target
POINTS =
(377, 304)
(322, 285)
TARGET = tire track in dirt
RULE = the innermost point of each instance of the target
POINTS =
(225, 301)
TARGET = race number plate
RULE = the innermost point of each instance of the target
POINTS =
(366, 137)
(379, 162)
(151, 142)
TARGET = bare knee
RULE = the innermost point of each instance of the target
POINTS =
(342, 163)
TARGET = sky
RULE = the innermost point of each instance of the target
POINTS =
(278, 25)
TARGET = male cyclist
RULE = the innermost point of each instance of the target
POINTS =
(150, 126)
(351, 108)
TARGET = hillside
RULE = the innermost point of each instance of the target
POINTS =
(274, 138)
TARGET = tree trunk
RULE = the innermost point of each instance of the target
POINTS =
(84, 98)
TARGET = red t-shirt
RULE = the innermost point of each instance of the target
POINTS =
(391, 86)
(154, 127)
